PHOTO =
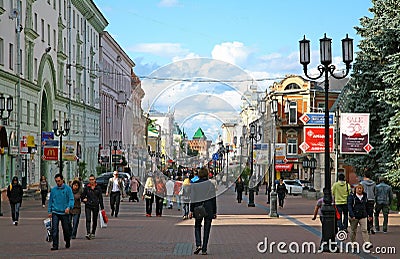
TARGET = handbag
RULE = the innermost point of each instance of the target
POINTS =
(103, 224)
(105, 218)
(199, 212)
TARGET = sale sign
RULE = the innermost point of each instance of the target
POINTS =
(314, 140)
(354, 133)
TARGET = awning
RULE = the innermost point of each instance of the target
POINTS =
(3, 137)
(284, 167)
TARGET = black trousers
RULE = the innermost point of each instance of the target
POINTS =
(44, 196)
(91, 214)
(149, 205)
(370, 209)
(206, 233)
(239, 196)
(115, 199)
(159, 205)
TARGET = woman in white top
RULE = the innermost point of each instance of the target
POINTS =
(148, 195)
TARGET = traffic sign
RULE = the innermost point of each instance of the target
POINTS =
(215, 156)
(316, 118)
(314, 140)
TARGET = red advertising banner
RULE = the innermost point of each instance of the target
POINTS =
(50, 153)
(354, 133)
(314, 140)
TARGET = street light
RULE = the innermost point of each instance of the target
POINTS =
(273, 210)
(227, 163)
(6, 106)
(326, 68)
(116, 143)
(61, 132)
(312, 166)
(110, 160)
(254, 135)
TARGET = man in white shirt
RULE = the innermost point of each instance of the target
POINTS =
(115, 188)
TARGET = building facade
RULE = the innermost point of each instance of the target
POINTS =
(49, 57)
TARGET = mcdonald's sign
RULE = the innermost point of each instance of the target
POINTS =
(50, 153)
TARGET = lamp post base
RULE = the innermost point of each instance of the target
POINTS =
(328, 223)
(251, 198)
(273, 210)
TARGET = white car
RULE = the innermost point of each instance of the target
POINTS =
(293, 187)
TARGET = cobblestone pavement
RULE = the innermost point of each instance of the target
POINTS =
(234, 234)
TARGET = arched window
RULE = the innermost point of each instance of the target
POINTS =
(292, 86)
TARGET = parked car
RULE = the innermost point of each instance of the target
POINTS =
(102, 180)
(306, 184)
(293, 187)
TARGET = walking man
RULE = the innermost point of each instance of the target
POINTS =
(14, 194)
(383, 199)
(341, 190)
(369, 188)
(60, 203)
(92, 197)
(115, 188)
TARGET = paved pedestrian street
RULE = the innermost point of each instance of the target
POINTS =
(238, 232)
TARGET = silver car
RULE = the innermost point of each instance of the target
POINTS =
(293, 187)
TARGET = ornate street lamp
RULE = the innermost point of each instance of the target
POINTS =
(116, 144)
(227, 163)
(61, 132)
(6, 105)
(326, 68)
(254, 135)
(273, 211)
(110, 159)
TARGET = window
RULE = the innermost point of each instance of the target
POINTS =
(292, 86)
(73, 19)
(54, 39)
(292, 112)
(11, 56)
(1, 52)
(54, 4)
(28, 112)
(35, 115)
(321, 107)
(35, 22)
(35, 67)
(48, 34)
(42, 34)
(292, 147)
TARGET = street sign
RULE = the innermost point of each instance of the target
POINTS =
(215, 156)
(50, 143)
(314, 140)
(316, 118)
(50, 153)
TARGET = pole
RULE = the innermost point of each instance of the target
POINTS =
(251, 188)
(273, 210)
(61, 163)
(327, 210)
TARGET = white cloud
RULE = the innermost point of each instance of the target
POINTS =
(231, 52)
(167, 50)
(168, 3)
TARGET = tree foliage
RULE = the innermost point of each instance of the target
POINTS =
(375, 87)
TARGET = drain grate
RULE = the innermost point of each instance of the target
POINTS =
(183, 249)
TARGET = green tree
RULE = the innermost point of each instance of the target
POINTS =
(379, 42)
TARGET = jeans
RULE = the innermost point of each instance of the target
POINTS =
(206, 233)
(159, 205)
(66, 227)
(15, 211)
(185, 208)
(344, 216)
(239, 196)
(149, 205)
(370, 208)
(75, 223)
(385, 211)
(91, 215)
(178, 201)
(115, 199)
(363, 225)
(281, 199)
(44, 196)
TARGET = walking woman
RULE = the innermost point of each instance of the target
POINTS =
(92, 197)
(148, 195)
(203, 195)
(76, 211)
(44, 189)
(239, 187)
(185, 194)
(281, 191)
(358, 213)
(14, 194)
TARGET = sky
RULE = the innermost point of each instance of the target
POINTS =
(197, 58)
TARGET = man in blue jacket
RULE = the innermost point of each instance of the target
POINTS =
(60, 203)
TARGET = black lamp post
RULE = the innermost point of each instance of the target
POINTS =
(6, 105)
(111, 157)
(61, 132)
(273, 210)
(227, 149)
(326, 68)
(9, 109)
(306, 165)
(254, 136)
(116, 144)
(312, 165)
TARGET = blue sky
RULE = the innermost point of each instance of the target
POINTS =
(259, 37)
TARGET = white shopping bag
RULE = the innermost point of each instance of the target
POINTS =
(102, 223)
(47, 225)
